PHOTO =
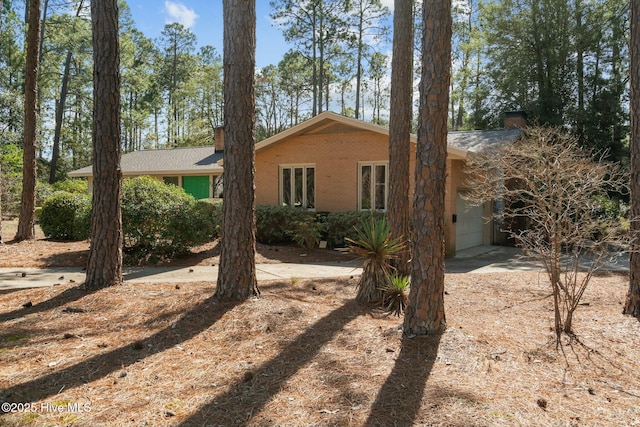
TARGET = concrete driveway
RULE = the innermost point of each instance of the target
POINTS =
(495, 259)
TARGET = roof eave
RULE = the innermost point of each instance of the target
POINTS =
(456, 153)
(212, 171)
(79, 174)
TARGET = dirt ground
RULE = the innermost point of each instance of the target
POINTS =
(305, 354)
(48, 253)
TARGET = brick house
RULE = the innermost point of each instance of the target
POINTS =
(335, 163)
(330, 163)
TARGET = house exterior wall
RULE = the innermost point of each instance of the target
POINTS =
(336, 158)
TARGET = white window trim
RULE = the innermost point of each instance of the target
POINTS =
(304, 183)
(372, 189)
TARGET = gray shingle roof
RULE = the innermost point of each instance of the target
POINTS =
(480, 140)
(188, 160)
(204, 160)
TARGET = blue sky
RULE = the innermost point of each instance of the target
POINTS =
(204, 19)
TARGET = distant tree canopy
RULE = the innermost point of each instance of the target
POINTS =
(564, 62)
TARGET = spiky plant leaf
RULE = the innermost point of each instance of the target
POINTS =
(395, 294)
(374, 245)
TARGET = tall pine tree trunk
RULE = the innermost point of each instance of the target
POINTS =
(425, 312)
(1, 178)
(42, 29)
(237, 273)
(359, 65)
(632, 305)
(580, 71)
(314, 63)
(60, 106)
(27, 220)
(400, 130)
(321, 70)
(104, 267)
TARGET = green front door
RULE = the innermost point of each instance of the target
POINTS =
(197, 186)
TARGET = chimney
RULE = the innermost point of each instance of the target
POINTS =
(218, 138)
(515, 119)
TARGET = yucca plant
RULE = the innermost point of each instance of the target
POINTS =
(374, 244)
(395, 294)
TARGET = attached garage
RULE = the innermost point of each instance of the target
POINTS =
(469, 224)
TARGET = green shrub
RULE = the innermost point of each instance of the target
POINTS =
(11, 179)
(63, 216)
(305, 232)
(72, 185)
(149, 206)
(197, 226)
(274, 223)
(82, 220)
(339, 226)
(44, 190)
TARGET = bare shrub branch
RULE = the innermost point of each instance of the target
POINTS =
(551, 197)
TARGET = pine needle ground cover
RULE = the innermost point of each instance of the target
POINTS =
(306, 354)
(43, 252)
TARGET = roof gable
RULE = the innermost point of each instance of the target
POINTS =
(324, 123)
(329, 122)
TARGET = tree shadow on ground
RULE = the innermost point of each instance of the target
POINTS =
(399, 400)
(69, 295)
(201, 317)
(247, 397)
(209, 253)
(67, 259)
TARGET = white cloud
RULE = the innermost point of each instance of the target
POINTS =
(178, 12)
(389, 4)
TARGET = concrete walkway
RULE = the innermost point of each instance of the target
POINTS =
(16, 278)
(482, 259)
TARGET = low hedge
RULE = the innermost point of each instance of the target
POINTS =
(274, 224)
(162, 220)
(199, 225)
(66, 216)
(283, 224)
(158, 220)
(338, 226)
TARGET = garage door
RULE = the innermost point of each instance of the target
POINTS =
(197, 186)
(469, 224)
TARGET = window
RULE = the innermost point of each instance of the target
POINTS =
(298, 186)
(218, 181)
(173, 180)
(372, 186)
